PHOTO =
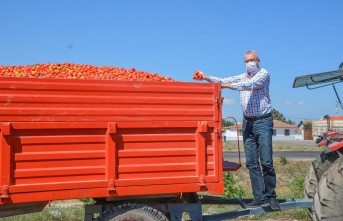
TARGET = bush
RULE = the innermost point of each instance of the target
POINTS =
(307, 126)
(283, 159)
(230, 191)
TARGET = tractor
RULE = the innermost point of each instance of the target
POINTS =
(324, 178)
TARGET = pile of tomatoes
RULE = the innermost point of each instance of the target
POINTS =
(80, 71)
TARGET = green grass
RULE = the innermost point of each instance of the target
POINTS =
(277, 146)
(290, 181)
(55, 212)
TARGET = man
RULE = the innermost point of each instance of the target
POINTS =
(257, 127)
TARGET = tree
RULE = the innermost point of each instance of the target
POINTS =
(290, 122)
(226, 123)
(279, 116)
(307, 126)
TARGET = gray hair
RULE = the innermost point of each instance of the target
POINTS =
(252, 52)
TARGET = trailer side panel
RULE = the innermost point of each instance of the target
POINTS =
(65, 139)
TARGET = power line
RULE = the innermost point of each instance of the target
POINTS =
(312, 114)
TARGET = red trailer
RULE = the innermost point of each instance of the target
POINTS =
(139, 148)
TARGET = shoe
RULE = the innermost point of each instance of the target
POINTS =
(274, 204)
(257, 203)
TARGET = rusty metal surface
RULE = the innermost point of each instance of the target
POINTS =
(65, 139)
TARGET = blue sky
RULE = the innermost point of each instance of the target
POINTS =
(174, 38)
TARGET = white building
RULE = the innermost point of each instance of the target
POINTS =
(281, 131)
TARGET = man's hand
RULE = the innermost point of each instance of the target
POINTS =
(198, 75)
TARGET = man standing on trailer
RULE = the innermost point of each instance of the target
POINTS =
(257, 127)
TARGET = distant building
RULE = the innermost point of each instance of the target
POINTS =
(307, 135)
(281, 131)
(321, 126)
(328, 123)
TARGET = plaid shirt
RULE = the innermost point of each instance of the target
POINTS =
(254, 91)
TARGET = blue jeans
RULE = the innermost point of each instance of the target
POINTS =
(257, 137)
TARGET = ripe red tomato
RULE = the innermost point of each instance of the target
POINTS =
(197, 75)
(80, 71)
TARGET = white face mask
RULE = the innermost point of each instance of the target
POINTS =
(251, 66)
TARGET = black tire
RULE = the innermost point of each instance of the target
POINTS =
(328, 201)
(132, 212)
(315, 172)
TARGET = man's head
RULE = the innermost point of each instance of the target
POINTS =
(251, 61)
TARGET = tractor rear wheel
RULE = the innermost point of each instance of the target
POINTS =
(132, 212)
(328, 200)
(315, 172)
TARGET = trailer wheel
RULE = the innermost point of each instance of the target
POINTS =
(328, 201)
(315, 172)
(132, 212)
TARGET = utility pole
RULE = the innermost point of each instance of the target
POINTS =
(336, 108)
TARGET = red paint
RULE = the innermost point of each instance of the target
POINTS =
(70, 138)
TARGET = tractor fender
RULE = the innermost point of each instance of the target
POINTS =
(335, 146)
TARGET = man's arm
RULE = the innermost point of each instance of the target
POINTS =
(223, 81)
(198, 75)
(260, 80)
(227, 86)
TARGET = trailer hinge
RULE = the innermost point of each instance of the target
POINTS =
(202, 183)
(218, 134)
(218, 100)
(111, 187)
(5, 192)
